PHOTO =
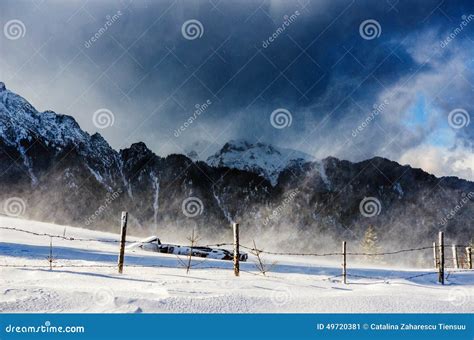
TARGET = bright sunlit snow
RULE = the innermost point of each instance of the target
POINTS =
(85, 279)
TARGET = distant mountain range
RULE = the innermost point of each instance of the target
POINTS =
(64, 175)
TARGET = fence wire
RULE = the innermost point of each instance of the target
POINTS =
(79, 239)
(252, 250)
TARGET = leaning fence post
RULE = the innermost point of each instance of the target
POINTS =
(344, 272)
(236, 249)
(50, 258)
(123, 235)
(455, 257)
(441, 258)
(469, 257)
(435, 256)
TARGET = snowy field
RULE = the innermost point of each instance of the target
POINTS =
(85, 279)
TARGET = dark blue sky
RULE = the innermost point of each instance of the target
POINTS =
(349, 93)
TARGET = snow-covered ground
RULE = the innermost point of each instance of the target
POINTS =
(85, 279)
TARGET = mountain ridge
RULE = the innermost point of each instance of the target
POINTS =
(66, 175)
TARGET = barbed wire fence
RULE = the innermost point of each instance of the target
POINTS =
(461, 263)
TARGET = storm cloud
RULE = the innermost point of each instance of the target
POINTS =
(358, 78)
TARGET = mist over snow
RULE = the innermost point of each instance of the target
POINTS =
(285, 198)
(157, 283)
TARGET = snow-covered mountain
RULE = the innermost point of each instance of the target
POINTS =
(200, 150)
(64, 175)
(30, 133)
(260, 158)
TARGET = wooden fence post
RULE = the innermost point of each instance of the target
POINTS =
(236, 249)
(344, 262)
(123, 236)
(455, 257)
(469, 257)
(435, 256)
(441, 258)
(50, 258)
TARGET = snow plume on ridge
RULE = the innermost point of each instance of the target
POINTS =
(328, 191)
(264, 159)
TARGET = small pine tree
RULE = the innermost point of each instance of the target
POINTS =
(370, 243)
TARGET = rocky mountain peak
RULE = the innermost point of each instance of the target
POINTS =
(264, 159)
